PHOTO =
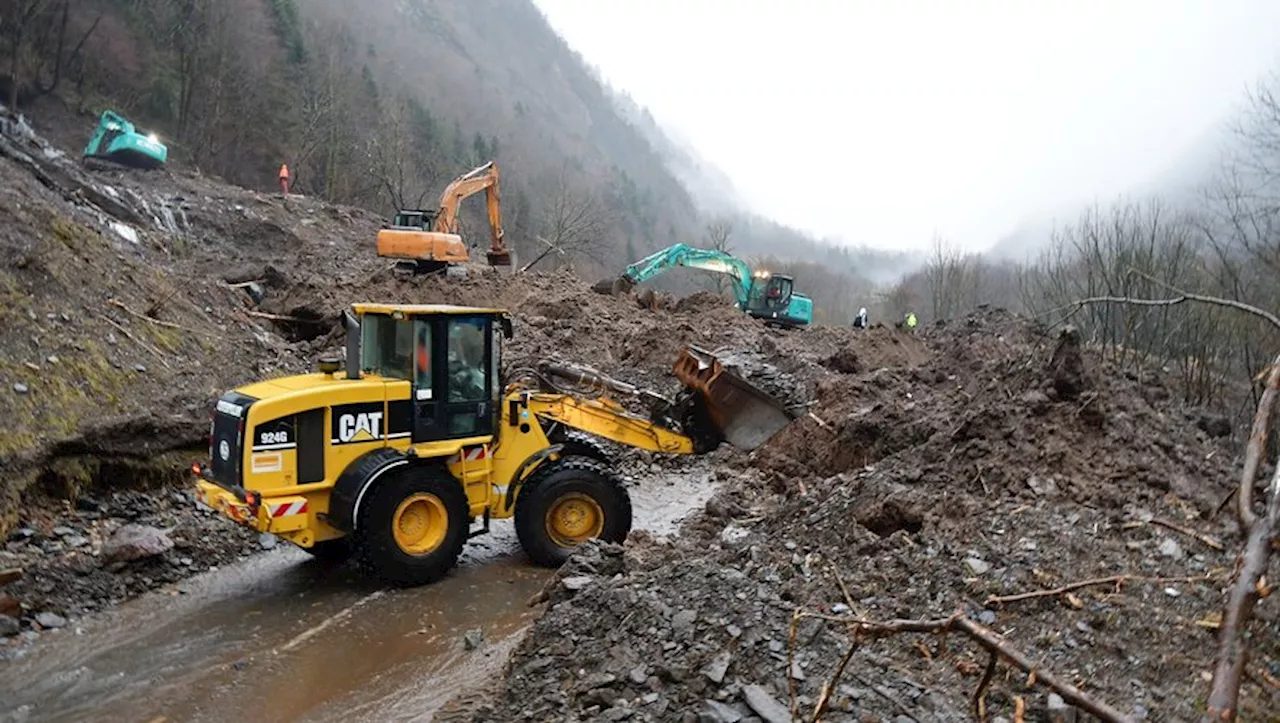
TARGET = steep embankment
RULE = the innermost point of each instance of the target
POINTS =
(985, 458)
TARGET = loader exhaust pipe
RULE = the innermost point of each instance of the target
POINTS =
(353, 344)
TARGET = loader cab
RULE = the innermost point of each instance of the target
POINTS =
(450, 355)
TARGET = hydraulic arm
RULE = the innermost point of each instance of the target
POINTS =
(717, 262)
(484, 178)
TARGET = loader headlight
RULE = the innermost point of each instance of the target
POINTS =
(153, 138)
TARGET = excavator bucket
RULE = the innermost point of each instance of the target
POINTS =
(744, 415)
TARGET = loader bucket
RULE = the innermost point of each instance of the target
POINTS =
(744, 415)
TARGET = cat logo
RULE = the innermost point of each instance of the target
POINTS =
(363, 427)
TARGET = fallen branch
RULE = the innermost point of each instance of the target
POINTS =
(10, 575)
(167, 324)
(829, 687)
(281, 317)
(1224, 693)
(1116, 580)
(1206, 539)
(136, 340)
(988, 639)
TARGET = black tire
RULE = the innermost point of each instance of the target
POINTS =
(376, 543)
(331, 551)
(580, 444)
(575, 481)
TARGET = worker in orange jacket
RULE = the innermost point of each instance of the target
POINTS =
(284, 179)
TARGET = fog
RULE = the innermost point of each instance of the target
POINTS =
(884, 123)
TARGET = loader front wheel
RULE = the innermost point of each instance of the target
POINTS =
(566, 503)
(413, 526)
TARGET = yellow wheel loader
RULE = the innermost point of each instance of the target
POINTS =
(394, 458)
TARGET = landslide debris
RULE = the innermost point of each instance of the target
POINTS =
(130, 300)
(985, 458)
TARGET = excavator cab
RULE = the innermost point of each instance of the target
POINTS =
(414, 219)
(772, 298)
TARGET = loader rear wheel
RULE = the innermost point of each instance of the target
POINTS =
(413, 526)
(567, 502)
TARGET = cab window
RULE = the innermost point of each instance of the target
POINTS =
(387, 346)
(467, 364)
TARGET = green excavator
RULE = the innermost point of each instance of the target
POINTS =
(761, 294)
(116, 140)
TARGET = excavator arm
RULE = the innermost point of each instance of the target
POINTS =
(717, 262)
(484, 178)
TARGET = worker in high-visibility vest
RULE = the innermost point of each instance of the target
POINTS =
(911, 320)
(284, 179)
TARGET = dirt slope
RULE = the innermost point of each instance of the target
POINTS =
(984, 458)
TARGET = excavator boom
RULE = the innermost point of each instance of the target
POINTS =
(483, 178)
(717, 262)
(760, 294)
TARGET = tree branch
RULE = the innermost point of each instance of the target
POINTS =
(1240, 305)
(993, 643)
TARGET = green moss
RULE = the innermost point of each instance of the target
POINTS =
(68, 477)
(60, 397)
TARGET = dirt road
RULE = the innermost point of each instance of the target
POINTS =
(287, 638)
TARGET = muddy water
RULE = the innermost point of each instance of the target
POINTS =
(281, 637)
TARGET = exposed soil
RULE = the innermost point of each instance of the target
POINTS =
(986, 458)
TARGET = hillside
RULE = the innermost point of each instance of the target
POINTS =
(379, 104)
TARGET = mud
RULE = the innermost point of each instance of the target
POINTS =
(292, 638)
(989, 457)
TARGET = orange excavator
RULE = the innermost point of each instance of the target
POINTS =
(426, 241)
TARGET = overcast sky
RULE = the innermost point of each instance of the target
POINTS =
(883, 121)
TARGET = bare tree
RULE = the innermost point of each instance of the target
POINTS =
(574, 223)
(717, 238)
(391, 162)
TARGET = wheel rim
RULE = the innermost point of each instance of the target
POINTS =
(420, 524)
(574, 519)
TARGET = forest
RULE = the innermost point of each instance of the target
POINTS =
(380, 104)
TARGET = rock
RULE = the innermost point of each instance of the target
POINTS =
(1170, 548)
(1042, 486)
(8, 626)
(638, 675)
(718, 666)
(63, 531)
(140, 368)
(986, 617)
(9, 605)
(577, 582)
(1059, 711)
(683, 620)
(765, 705)
(75, 541)
(50, 620)
(473, 638)
(1214, 425)
(20, 388)
(733, 534)
(135, 542)
(976, 566)
(717, 712)
(267, 540)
